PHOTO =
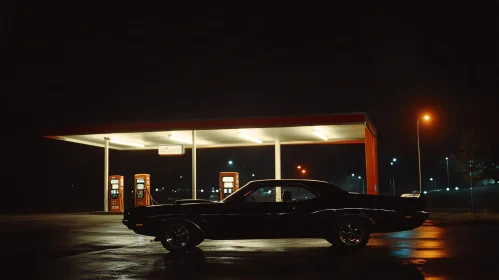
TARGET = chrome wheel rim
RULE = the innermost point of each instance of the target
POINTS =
(351, 233)
(177, 235)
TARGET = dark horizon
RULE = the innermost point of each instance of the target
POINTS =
(87, 67)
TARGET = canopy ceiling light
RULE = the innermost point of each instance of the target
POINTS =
(180, 139)
(114, 141)
(245, 136)
(320, 135)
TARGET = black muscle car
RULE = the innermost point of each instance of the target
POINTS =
(279, 209)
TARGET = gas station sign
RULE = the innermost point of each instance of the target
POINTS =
(168, 150)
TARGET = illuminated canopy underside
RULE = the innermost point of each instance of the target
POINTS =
(338, 129)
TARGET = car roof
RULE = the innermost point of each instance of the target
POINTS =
(287, 180)
(323, 187)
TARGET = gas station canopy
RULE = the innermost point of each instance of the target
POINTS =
(355, 128)
(329, 129)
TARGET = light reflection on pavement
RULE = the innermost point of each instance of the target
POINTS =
(100, 247)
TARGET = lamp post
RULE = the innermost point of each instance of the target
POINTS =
(435, 186)
(426, 118)
(394, 160)
(448, 178)
(360, 177)
(471, 190)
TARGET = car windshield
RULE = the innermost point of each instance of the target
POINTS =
(239, 194)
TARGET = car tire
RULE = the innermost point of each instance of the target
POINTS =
(349, 234)
(179, 236)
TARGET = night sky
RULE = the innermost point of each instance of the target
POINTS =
(74, 65)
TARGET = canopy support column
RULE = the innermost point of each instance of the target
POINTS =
(371, 162)
(106, 173)
(194, 164)
(277, 157)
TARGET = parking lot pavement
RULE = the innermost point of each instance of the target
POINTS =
(81, 246)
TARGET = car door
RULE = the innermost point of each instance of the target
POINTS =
(302, 202)
(260, 214)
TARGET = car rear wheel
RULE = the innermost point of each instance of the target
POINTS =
(179, 236)
(349, 234)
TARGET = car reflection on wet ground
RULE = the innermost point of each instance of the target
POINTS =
(79, 246)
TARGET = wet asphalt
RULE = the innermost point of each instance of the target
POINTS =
(82, 246)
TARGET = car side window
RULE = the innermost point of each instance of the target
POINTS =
(263, 194)
(297, 192)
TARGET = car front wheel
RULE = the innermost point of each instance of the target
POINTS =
(349, 234)
(179, 236)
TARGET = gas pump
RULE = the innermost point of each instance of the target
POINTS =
(142, 183)
(116, 193)
(229, 183)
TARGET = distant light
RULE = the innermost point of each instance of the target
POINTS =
(252, 175)
(202, 190)
(394, 159)
(299, 167)
(269, 191)
(353, 175)
(431, 179)
(360, 177)
(322, 136)
(447, 189)
(446, 158)
(230, 161)
(180, 177)
(303, 171)
(457, 188)
(391, 163)
(426, 117)
(425, 192)
(157, 190)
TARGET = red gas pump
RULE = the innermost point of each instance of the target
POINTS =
(116, 193)
(229, 183)
(142, 189)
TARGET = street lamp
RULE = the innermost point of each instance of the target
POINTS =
(426, 118)
(230, 162)
(353, 175)
(448, 180)
(392, 163)
(431, 179)
(360, 177)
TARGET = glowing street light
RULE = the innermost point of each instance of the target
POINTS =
(298, 167)
(448, 178)
(426, 118)
(230, 162)
(353, 175)
(431, 179)
(303, 171)
(394, 159)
